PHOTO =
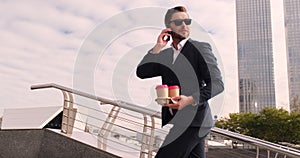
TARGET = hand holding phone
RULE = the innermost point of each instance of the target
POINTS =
(162, 40)
(167, 38)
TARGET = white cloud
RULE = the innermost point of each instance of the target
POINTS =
(40, 41)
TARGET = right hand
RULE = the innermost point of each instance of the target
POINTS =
(161, 43)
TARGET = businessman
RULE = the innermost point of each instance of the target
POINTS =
(191, 65)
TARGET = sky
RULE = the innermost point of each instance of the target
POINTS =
(95, 45)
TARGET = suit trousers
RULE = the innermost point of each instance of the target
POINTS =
(183, 145)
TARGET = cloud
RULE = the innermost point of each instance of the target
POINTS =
(40, 41)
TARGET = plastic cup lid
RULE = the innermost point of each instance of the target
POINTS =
(173, 87)
(162, 86)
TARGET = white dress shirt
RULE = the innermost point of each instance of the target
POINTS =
(177, 51)
(175, 55)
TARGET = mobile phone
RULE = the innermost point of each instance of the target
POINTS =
(167, 38)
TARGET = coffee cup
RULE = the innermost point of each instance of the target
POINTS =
(174, 91)
(162, 91)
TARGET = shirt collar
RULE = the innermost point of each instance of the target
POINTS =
(180, 44)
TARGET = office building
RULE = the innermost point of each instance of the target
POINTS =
(255, 55)
(292, 30)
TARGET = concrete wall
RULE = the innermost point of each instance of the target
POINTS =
(45, 143)
(20, 143)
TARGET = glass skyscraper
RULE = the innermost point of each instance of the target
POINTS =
(292, 30)
(255, 55)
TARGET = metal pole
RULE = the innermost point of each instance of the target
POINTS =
(144, 138)
(64, 127)
(257, 152)
(151, 143)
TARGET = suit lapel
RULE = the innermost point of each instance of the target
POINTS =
(185, 49)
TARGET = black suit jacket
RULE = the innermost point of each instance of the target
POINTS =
(195, 70)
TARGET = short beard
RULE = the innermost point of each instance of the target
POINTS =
(178, 36)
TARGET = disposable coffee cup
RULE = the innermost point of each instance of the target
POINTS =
(162, 91)
(174, 91)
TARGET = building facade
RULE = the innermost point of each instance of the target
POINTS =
(292, 32)
(255, 55)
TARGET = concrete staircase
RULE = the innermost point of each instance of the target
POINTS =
(40, 143)
(43, 143)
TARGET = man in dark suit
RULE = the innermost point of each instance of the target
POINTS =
(191, 65)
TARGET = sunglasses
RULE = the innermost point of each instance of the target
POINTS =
(178, 22)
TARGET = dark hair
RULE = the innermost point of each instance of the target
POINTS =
(171, 11)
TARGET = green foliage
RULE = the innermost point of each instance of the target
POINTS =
(295, 104)
(271, 124)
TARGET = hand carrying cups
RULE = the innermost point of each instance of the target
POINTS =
(165, 92)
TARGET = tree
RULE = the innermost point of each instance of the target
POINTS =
(271, 124)
(295, 104)
(294, 128)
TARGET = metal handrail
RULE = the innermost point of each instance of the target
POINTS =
(229, 133)
(257, 142)
(123, 104)
(145, 111)
(68, 123)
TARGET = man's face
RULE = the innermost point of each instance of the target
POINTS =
(182, 29)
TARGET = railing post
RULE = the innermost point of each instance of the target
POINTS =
(257, 152)
(206, 145)
(69, 114)
(144, 138)
(106, 127)
(147, 142)
(151, 143)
